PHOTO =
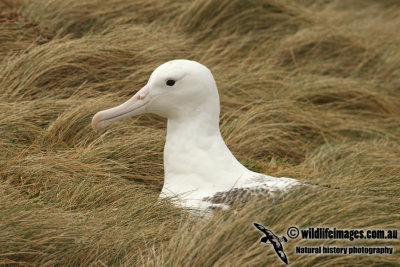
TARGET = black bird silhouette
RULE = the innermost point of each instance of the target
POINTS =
(275, 241)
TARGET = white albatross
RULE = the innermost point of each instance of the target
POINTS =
(199, 168)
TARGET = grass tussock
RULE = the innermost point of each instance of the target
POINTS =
(309, 89)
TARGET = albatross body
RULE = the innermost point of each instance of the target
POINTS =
(199, 168)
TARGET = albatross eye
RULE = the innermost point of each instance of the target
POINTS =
(170, 82)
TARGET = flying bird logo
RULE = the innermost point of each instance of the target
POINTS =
(274, 240)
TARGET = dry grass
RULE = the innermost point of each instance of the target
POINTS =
(309, 89)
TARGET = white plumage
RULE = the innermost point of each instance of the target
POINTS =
(197, 163)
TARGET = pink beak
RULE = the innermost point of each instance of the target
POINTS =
(134, 106)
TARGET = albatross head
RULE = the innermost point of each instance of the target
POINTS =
(176, 89)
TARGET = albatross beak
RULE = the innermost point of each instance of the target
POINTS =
(134, 106)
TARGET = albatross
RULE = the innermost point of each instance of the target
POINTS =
(200, 172)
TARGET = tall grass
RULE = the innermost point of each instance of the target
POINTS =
(309, 89)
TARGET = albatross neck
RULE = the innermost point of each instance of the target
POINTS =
(196, 156)
(196, 126)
